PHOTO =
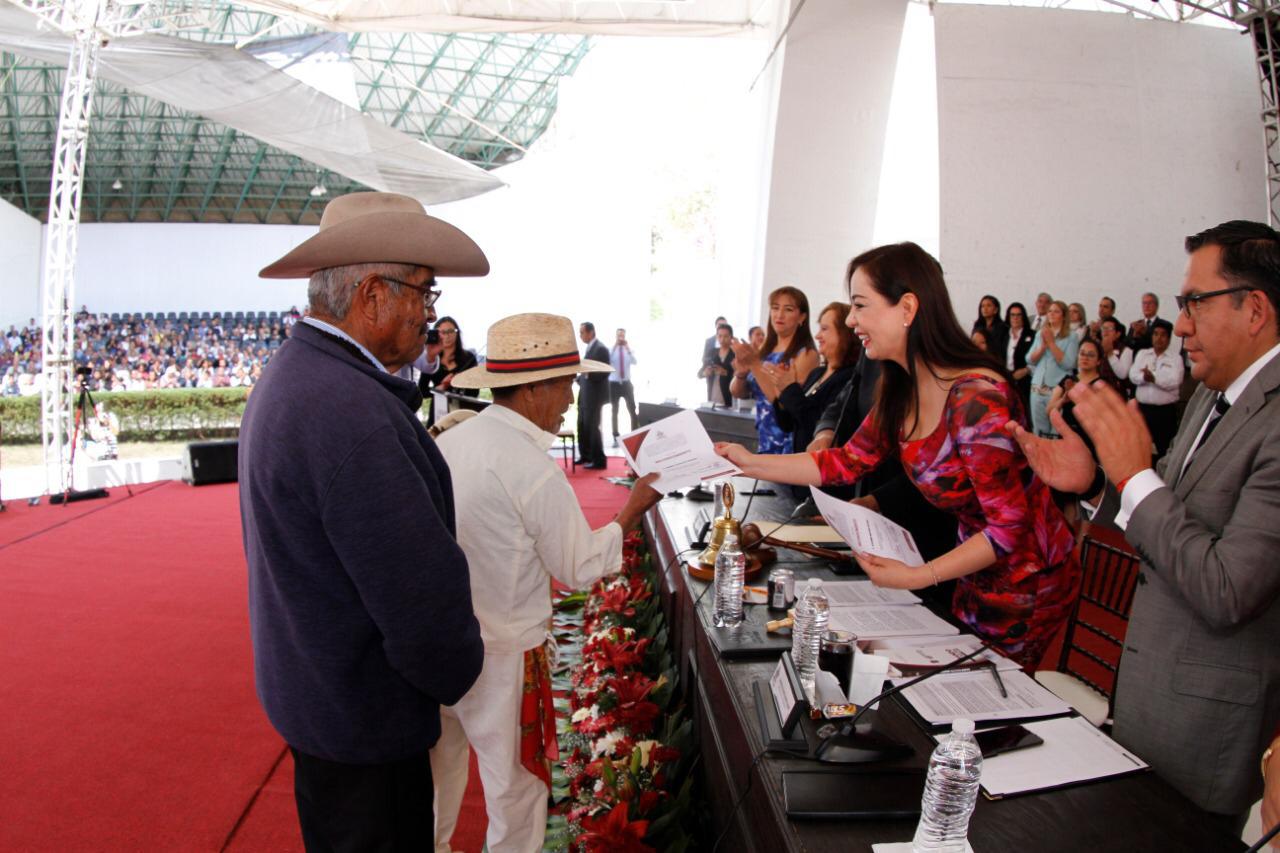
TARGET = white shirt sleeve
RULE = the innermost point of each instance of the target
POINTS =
(1140, 485)
(570, 551)
(1139, 362)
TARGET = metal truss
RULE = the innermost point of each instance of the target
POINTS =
(1262, 19)
(89, 23)
(483, 97)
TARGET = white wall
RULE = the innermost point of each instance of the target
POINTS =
(1079, 148)
(828, 145)
(20, 253)
(139, 267)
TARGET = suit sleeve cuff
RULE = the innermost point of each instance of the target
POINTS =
(1140, 485)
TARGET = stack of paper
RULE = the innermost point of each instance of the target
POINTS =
(1073, 751)
(975, 695)
(939, 653)
(878, 622)
(863, 593)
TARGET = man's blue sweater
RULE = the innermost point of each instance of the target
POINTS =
(359, 597)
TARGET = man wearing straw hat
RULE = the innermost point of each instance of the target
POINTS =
(359, 599)
(521, 527)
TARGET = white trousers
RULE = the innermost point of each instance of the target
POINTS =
(488, 718)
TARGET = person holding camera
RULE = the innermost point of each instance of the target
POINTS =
(453, 358)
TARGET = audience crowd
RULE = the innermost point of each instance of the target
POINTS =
(137, 352)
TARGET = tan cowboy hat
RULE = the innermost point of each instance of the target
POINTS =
(372, 228)
(526, 348)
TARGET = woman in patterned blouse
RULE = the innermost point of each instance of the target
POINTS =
(943, 403)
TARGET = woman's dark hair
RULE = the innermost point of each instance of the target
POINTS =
(935, 337)
(849, 345)
(1105, 373)
(457, 339)
(802, 339)
(1009, 311)
(995, 318)
(1120, 330)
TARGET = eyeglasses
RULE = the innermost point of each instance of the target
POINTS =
(1186, 301)
(429, 296)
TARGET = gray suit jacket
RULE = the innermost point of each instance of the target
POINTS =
(1198, 695)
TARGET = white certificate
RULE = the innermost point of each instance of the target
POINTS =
(868, 532)
(678, 449)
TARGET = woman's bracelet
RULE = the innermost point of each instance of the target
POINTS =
(932, 571)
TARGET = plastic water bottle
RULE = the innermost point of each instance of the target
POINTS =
(731, 570)
(813, 612)
(950, 792)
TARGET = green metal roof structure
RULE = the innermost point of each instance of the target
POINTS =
(482, 97)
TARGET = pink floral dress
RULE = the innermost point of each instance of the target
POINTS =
(971, 468)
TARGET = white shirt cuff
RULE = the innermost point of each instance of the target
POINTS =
(1135, 492)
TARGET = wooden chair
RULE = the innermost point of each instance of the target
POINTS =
(1086, 671)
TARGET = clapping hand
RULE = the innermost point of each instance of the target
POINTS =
(744, 354)
(1065, 464)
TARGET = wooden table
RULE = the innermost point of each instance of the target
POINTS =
(1131, 813)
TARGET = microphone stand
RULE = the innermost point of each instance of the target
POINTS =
(851, 746)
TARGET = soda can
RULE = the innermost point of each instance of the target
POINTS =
(782, 586)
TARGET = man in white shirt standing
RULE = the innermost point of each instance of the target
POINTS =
(521, 527)
(622, 359)
(1156, 375)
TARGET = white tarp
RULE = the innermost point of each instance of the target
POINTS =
(616, 17)
(240, 91)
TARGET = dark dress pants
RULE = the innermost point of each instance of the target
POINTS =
(590, 445)
(1162, 421)
(619, 391)
(364, 807)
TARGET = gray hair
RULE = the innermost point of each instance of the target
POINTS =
(329, 291)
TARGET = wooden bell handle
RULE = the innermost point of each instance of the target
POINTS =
(811, 550)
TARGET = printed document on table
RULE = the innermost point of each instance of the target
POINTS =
(678, 449)
(1073, 751)
(936, 654)
(975, 695)
(889, 621)
(862, 593)
(866, 531)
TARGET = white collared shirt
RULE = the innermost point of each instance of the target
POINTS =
(1143, 483)
(1167, 370)
(338, 333)
(520, 525)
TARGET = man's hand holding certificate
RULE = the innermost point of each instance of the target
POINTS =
(678, 449)
(886, 551)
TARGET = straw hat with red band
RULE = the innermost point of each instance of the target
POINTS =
(381, 228)
(527, 348)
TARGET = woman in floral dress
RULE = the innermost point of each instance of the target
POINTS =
(943, 403)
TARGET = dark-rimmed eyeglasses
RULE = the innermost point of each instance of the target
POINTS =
(1185, 301)
(429, 296)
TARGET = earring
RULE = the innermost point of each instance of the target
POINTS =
(906, 325)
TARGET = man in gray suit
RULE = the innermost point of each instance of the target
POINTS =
(1198, 694)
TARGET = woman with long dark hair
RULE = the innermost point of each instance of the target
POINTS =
(943, 403)
(1015, 353)
(788, 345)
(1091, 367)
(992, 325)
(799, 402)
(454, 359)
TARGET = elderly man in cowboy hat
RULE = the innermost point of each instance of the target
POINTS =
(359, 599)
(521, 527)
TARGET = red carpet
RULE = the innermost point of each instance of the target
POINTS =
(130, 720)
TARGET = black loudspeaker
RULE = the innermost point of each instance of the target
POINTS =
(210, 462)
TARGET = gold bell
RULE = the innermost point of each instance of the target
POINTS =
(724, 525)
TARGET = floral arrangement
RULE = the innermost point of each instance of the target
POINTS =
(625, 745)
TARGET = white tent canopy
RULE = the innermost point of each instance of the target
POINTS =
(623, 17)
(237, 89)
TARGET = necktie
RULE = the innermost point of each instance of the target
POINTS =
(1220, 407)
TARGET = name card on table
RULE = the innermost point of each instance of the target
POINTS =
(788, 694)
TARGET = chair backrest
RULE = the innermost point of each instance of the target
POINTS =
(1095, 632)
